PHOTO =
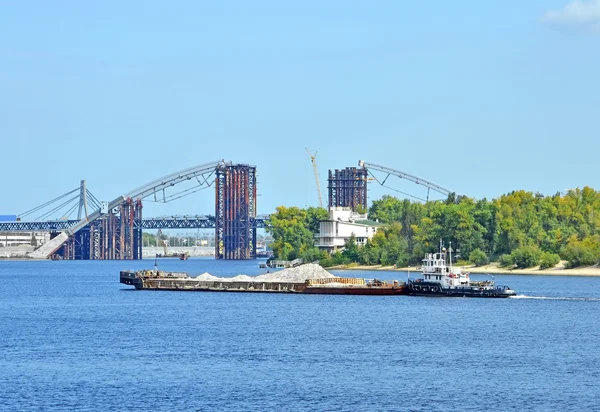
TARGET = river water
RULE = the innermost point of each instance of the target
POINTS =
(73, 338)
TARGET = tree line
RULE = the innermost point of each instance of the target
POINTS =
(519, 229)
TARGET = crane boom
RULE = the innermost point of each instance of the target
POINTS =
(313, 159)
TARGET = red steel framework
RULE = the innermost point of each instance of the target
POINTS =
(235, 206)
(115, 235)
(348, 188)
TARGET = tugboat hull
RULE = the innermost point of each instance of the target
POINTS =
(434, 289)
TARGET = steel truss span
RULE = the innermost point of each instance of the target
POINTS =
(173, 222)
(49, 226)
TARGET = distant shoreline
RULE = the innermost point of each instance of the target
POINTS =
(492, 268)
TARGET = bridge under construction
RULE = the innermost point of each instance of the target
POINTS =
(113, 230)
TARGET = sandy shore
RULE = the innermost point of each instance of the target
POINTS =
(558, 270)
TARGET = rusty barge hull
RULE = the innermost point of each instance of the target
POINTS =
(362, 290)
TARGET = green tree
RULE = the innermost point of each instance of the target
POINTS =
(526, 256)
(290, 230)
(585, 252)
(449, 222)
(351, 250)
(314, 215)
(360, 209)
(388, 209)
(506, 261)
(370, 254)
(478, 257)
(312, 254)
(549, 260)
(148, 239)
(516, 227)
(389, 245)
(484, 213)
(516, 213)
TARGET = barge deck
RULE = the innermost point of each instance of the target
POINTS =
(180, 281)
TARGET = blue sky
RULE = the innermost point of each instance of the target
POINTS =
(482, 97)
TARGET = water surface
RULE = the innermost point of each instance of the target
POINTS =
(74, 338)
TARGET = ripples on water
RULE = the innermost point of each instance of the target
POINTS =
(73, 338)
(555, 298)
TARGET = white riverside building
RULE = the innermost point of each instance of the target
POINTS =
(23, 238)
(340, 226)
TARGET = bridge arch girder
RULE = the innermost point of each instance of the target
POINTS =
(203, 170)
(407, 176)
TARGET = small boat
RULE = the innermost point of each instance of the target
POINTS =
(181, 256)
(440, 278)
(264, 254)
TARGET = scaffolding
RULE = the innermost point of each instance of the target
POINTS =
(115, 235)
(235, 210)
(348, 188)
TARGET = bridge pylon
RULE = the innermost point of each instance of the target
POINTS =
(348, 188)
(235, 211)
(115, 235)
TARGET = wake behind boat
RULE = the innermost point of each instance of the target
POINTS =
(440, 278)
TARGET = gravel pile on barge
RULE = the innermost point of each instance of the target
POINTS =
(287, 280)
(298, 274)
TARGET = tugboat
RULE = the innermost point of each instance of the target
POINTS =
(440, 278)
(181, 256)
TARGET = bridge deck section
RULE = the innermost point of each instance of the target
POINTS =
(174, 222)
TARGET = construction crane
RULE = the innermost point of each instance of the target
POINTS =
(313, 160)
(162, 242)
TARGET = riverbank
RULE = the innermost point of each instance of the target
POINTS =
(558, 270)
(22, 252)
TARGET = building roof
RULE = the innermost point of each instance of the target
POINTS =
(368, 222)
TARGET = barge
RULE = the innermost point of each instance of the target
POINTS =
(439, 279)
(155, 279)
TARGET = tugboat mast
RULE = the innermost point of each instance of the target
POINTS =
(450, 251)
